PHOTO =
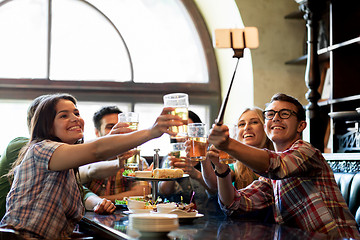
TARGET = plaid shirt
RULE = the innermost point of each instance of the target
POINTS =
(111, 185)
(301, 187)
(43, 202)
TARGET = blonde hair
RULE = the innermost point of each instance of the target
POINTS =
(243, 174)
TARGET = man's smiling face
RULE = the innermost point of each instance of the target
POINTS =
(283, 132)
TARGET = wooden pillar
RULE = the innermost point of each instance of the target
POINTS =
(313, 11)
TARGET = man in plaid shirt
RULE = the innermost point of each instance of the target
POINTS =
(105, 178)
(296, 180)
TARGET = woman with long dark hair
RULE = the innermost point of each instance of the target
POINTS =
(44, 200)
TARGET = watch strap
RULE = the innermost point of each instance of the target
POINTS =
(224, 174)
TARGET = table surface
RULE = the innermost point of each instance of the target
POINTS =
(213, 225)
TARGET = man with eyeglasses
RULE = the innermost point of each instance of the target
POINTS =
(295, 178)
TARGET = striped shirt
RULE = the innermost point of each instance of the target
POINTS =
(42, 202)
(300, 186)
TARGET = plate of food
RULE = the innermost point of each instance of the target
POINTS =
(182, 210)
(139, 204)
(159, 174)
(186, 217)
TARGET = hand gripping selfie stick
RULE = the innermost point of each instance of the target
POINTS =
(238, 40)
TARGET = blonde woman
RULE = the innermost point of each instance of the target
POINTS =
(251, 132)
(250, 128)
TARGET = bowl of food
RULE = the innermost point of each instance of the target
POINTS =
(136, 202)
(165, 207)
(139, 204)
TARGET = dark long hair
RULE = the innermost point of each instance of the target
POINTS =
(41, 127)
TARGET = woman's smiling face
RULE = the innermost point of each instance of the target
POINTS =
(68, 125)
(251, 129)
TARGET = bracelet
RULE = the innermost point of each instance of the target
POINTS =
(224, 174)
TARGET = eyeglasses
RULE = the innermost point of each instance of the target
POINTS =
(283, 114)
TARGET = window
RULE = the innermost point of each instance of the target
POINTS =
(124, 52)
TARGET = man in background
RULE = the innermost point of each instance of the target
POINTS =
(105, 178)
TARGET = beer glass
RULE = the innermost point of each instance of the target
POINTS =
(178, 150)
(224, 157)
(132, 119)
(198, 137)
(179, 101)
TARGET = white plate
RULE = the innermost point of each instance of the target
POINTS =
(182, 215)
(154, 222)
(198, 215)
(156, 179)
(179, 212)
(138, 210)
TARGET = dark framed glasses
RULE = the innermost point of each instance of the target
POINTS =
(283, 114)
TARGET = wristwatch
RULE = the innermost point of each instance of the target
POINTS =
(224, 174)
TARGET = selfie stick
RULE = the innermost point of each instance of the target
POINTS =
(238, 53)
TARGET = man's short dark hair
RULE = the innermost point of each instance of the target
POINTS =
(286, 98)
(102, 112)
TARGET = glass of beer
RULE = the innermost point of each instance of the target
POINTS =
(179, 101)
(132, 119)
(178, 150)
(224, 157)
(198, 137)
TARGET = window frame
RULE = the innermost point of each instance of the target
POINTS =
(131, 92)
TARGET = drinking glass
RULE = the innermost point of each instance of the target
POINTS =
(178, 150)
(132, 119)
(198, 137)
(179, 101)
(224, 157)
